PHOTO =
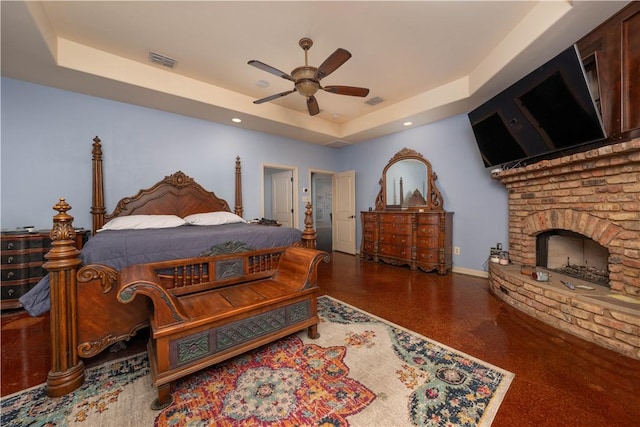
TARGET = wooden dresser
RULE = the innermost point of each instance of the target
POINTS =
(418, 239)
(409, 225)
(22, 259)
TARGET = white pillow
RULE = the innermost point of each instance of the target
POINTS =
(141, 222)
(213, 218)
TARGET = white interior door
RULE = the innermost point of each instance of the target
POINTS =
(344, 218)
(282, 198)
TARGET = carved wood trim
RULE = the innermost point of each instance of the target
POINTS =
(432, 198)
(67, 371)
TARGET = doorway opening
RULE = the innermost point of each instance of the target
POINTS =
(322, 202)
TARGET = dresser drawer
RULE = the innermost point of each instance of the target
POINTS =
(401, 228)
(395, 251)
(368, 246)
(427, 230)
(15, 272)
(40, 243)
(15, 244)
(37, 270)
(429, 219)
(368, 236)
(395, 239)
(14, 290)
(12, 257)
(428, 256)
(427, 242)
(369, 226)
(396, 218)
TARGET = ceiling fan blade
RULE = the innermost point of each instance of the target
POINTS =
(272, 97)
(312, 105)
(347, 90)
(336, 59)
(270, 69)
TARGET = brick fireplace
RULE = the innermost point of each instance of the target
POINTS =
(593, 194)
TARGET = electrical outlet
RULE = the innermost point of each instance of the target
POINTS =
(456, 250)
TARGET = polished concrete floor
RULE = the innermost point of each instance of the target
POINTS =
(559, 380)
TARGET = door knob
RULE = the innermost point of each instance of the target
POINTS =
(352, 216)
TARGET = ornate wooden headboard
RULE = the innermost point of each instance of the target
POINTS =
(177, 194)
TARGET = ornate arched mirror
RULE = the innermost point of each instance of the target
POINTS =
(408, 183)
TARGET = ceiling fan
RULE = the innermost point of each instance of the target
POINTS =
(306, 79)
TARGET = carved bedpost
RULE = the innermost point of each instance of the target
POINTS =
(309, 233)
(97, 208)
(67, 371)
(238, 208)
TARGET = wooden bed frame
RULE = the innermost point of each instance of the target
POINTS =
(78, 328)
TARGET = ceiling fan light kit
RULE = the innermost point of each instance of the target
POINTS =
(306, 83)
(306, 79)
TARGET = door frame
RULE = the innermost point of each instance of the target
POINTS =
(294, 172)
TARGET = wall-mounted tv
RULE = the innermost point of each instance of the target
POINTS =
(548, 111)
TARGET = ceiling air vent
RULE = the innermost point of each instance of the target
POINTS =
(374, 101)
(162, 59)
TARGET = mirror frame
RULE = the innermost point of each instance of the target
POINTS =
(430, 200)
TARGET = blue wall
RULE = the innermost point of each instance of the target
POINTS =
(46, 154)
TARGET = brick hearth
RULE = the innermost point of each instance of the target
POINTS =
(596, 194)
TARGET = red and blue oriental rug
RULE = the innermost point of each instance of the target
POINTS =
(362, 371)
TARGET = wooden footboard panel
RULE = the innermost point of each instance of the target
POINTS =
(102, 319)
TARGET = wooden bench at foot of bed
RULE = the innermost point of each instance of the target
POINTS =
(207, 310)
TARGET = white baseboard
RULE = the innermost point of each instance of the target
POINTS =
(467, 271)
(470, 272)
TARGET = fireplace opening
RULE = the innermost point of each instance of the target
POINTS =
(574, 255)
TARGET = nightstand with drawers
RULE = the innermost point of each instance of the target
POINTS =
(22, 255)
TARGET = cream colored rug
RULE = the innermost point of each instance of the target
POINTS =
(362, 371)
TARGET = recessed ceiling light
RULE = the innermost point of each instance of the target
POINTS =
(262, 83)
(236, 120)
(407, 123)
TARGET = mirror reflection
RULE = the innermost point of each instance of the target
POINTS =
(406, 183)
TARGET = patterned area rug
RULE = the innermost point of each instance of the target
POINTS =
(362, 371)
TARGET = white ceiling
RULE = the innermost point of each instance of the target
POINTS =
(427, 60)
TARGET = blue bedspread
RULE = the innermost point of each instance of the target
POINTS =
(117, 249)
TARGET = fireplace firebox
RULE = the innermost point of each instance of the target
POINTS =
(574, 255)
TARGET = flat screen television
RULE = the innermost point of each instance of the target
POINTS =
(549, 111)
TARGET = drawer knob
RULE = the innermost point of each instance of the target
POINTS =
(9, 260)
(10, 275)
(10, 245)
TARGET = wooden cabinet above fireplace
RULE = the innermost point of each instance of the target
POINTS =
(611, 54)
(409, 226)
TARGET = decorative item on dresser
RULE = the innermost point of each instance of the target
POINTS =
(409, 225)
(23, 254)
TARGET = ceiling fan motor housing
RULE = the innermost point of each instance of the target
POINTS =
(305, 80)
